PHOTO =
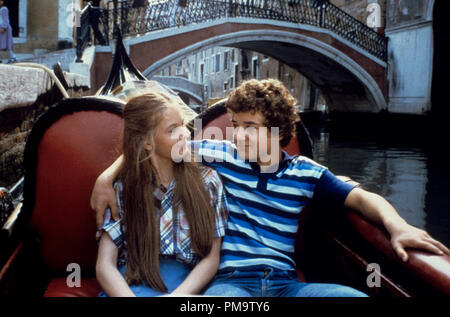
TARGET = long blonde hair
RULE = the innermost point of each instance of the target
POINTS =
(142, 114)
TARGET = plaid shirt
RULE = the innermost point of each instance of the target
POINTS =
(175, 233)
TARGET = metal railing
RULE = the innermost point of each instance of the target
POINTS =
(160, 14)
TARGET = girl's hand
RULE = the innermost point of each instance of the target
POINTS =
(406, 236)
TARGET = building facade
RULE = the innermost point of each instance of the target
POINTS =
(221, 69)
(409, 27)
(41, 24)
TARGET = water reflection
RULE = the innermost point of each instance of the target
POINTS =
(414, 178)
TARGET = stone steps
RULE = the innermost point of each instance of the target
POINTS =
(65, 57)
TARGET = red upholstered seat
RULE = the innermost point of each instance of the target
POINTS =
(58, 288)
(222, 122)
(74, 143)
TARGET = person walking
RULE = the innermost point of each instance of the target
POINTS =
(6, 38)
(94, 19)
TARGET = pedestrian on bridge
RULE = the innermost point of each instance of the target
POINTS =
(94, 19)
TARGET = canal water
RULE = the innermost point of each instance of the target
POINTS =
(404, 163)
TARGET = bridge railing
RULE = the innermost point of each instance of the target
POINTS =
(165, 14)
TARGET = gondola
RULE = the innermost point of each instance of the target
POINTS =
(48, 246)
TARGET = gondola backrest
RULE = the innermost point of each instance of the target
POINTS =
(69, 146)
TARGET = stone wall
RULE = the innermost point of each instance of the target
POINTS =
(25, 93)
(401, 12)
(358, 8)
(409, 27)
(42, 26)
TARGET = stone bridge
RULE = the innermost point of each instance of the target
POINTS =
(186, 88)
(337, 53)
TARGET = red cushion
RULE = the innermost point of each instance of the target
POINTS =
(222, 122)
(300, 276)
(72, 153)
(57, 287)
(293, 148)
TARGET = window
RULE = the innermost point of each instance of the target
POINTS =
(255, 67)
(226, 60)
(179, 68)
(202, 73)
(206, 92)
(225, 86)
(218, 63)
(280, 71)
(232, 82)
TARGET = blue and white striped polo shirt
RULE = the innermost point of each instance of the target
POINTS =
(264, 208)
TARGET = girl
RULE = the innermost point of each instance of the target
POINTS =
(6, 38)
(173, 215)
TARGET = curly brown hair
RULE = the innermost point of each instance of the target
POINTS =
(272, 99)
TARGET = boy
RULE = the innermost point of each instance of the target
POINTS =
(266, 191)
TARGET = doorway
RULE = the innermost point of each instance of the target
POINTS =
(13, 8)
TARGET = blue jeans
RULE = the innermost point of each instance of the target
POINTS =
(274, 283)
(173, 273)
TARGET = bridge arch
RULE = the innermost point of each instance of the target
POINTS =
(182, 85)
(347, 85)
